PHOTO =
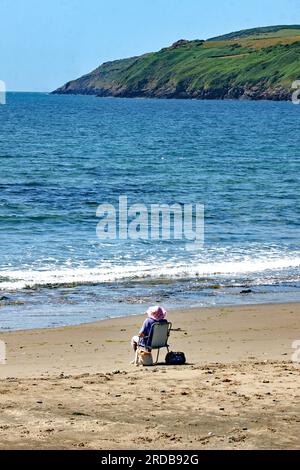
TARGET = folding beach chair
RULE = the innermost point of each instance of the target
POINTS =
(158, 337)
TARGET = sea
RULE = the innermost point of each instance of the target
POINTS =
(63, 156)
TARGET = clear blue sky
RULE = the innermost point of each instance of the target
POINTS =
(45, 43)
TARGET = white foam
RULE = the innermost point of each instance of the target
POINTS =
(20, 279)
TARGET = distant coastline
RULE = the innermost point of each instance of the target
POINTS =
(256, 64)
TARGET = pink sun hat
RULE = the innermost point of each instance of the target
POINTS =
(156, 312)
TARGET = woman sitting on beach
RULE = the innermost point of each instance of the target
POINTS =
(156, 314)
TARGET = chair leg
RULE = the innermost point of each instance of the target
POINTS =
(154, 363)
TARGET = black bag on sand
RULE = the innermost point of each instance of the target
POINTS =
(175, 358)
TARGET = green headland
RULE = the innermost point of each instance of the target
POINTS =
(259, 63)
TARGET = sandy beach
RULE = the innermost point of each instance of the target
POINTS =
(74, 388)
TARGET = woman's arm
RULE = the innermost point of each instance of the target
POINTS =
(143, 329)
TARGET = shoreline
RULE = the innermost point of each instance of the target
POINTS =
(172, 98)
(171, 309)
(141, 315)
(29, 351)
(73, 387)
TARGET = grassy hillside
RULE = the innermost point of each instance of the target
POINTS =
(260, 63)
(265, 31)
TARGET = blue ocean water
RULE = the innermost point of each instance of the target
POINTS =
(62, 156)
